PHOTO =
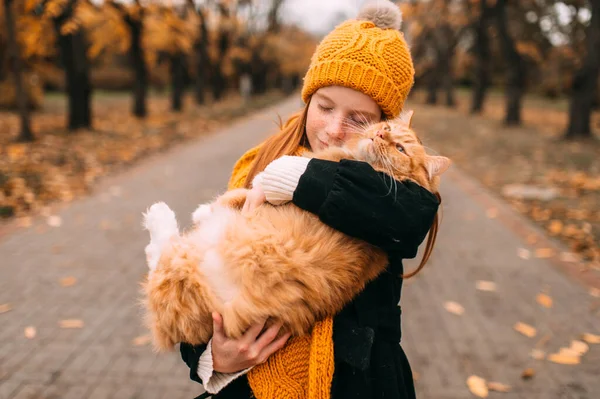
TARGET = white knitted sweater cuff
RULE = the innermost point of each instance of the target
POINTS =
(212, 380)
(280, 178)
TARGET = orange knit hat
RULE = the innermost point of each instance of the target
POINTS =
(368, 54)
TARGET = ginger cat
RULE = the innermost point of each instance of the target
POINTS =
(278, 263)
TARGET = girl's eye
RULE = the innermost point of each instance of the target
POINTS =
(326, 109)
(400, 148)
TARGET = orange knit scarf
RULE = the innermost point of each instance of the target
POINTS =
(303, 369)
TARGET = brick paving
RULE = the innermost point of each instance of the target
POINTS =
(100, 242)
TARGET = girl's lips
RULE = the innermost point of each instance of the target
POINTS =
(324, 144)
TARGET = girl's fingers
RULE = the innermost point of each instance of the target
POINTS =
(268, 336)
(251, 333)
(217, 324)
(275, 345)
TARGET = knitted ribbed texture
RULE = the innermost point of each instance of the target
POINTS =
(304, 367)
(364, 57)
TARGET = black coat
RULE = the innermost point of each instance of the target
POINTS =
(353, 198)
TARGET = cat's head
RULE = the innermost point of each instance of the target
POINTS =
(394, 148)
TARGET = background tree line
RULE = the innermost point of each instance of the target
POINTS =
(207, 46)
(545, 46)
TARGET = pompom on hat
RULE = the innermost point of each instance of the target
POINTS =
(368, 54)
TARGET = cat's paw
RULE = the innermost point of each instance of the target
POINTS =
(202, 213)
(160, 217)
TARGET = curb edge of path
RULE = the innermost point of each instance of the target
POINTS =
(523, 227)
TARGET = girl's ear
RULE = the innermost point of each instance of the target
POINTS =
(436, 165)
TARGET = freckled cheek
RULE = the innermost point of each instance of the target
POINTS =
(315, 130)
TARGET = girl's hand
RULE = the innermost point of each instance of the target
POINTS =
(233, 355)
(254, 198)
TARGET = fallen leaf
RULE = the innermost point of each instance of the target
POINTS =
(538, 354)
(555, 227)
(483, 285)
(498, 387)
(141, 340)
(544, 300)
(544, 253)
(591, 338)
(24, 221)
(524, 253)
(595, 292)
(532, 239)
(579, 347)
(477, 386)
(569, 257)
(454, 308)
(30, 332)
(528, 374)
(5, 307)
(71, 323)
(68, 281)
(525, 329)
(54, 221)
(565, 357)
(492, 213)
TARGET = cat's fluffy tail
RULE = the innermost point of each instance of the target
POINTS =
(160, 221)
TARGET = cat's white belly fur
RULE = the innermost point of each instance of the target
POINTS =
(209, 233)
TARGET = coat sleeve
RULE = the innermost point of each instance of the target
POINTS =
(352, 197)
(191, 356)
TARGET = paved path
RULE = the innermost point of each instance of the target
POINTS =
(100, 242)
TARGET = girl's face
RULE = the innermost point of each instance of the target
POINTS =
(335, 113)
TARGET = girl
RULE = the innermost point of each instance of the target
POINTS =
(360, 73)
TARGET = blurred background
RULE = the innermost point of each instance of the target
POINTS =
(508, 89)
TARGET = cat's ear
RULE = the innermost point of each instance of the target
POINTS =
(409, 116)
(436, 165)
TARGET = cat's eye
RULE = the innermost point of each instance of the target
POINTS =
(400, 148)
(387, 128)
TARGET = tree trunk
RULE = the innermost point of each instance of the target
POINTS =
(203, 60)
(25, 135)
(140, 87)
(77, 75)
(482, 48)
(585, 82)
(177, 83)
(218, 79)
(515, 75)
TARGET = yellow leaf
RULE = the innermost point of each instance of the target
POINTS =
(5, 307)
(454, 308)
(569, 257)
(498, 387)
(544, 300)
(141, 340)
(555, 227)
(524, 253)
(30, 332)
(595, 292)
(54, 221)
(71, 323)
(477, 386)
(538, 354)
(564, 357)
(579, 347)
(544, 253)
(591, 338)
(492, 213)
(68, 281)
(525, 329)
(483, 285)
(527, 373)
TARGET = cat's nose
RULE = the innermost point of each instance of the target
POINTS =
(380, 133)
